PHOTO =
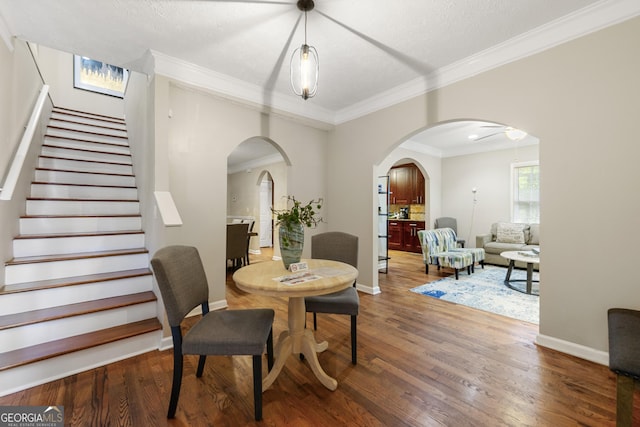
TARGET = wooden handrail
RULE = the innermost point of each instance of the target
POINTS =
(6, 192)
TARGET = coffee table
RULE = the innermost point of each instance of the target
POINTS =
(530, 258)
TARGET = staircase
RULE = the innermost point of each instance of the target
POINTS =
(78, 292)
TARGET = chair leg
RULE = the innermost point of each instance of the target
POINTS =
(426, 269)
(177, 371)
(624, 401)
(354, 340)
(257, 386)
(270, 350)
(456, 270)
(315, 321)
(201, 360)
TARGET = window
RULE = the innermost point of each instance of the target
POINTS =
(525, 192)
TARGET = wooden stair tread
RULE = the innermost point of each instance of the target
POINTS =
(70, 138)
(84, 131)
(73, 281)
(85, 172)
(76, 309)
(79, 113)
(77, 234)
(85, 160)
(68, 257)
(82, 185)
(24, 356)
(85, 150)
(83, 216)
(54, 119)
(79, 200)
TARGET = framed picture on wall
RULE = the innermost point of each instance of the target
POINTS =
(97, 76)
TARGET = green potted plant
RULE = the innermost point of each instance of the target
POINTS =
(291, 223)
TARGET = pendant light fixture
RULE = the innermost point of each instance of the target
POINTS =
(304, 65)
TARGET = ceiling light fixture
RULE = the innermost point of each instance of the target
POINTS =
(514, 134)
(304, 65)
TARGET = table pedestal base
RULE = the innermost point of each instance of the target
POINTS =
(298, 340)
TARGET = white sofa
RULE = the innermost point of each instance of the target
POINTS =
(507, 236)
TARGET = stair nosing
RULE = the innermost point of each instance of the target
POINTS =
(85, 161)
(83, 150)
(77, 234)
(74, 281)
(33, 317)
(51, 349)
(71, 184)
(130, 175)
(87, 124)
(61, 110)
(74, 256)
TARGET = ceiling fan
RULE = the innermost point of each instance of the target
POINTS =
(510, 132)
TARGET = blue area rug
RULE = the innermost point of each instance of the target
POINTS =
(485, 290)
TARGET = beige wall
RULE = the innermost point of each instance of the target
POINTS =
(20, 85)
(191, 149)
(57, 70)
(582, 100)
(490, 174)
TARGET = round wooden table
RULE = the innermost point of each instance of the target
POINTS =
(529, 259)
(259, 279)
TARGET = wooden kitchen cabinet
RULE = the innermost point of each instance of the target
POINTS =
(410, 242)
(403, 235)
(395, 235)
(406, 184)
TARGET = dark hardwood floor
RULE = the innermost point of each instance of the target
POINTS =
(421, 362)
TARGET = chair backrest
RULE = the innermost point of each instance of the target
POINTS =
(434, 242)
(237, 240)
(181, 279)
(335, 246)
(446, 222)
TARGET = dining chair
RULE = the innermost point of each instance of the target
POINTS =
(624, 359)
(448, 222)
(237, 243)
(183, 286)
(343, 247)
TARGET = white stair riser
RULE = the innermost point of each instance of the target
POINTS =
(80, 166)
(89, 119)
(64, 207)
(84, 145)
(53, 191)
(86, 155)
(33, 272)
(77, 125)
(61, 177)
(76, 244)
(33, 374)
(86, 136)
(28, 335)
(47, 225)
(52, 297)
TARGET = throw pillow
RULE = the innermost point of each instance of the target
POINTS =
(510, 233)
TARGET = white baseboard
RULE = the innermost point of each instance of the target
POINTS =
(587, 353)
(368, 289)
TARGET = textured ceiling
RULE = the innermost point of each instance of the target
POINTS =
(365, 46)
(368, 48)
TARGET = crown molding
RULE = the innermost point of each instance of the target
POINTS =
(225, 85)
(6, 34)
(585, 21)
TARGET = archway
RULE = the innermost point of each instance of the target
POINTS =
(247, 166)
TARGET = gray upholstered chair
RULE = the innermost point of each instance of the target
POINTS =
(624, 359)
(183, 285)
(448, 222)
(237, 243)
(343, 247)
